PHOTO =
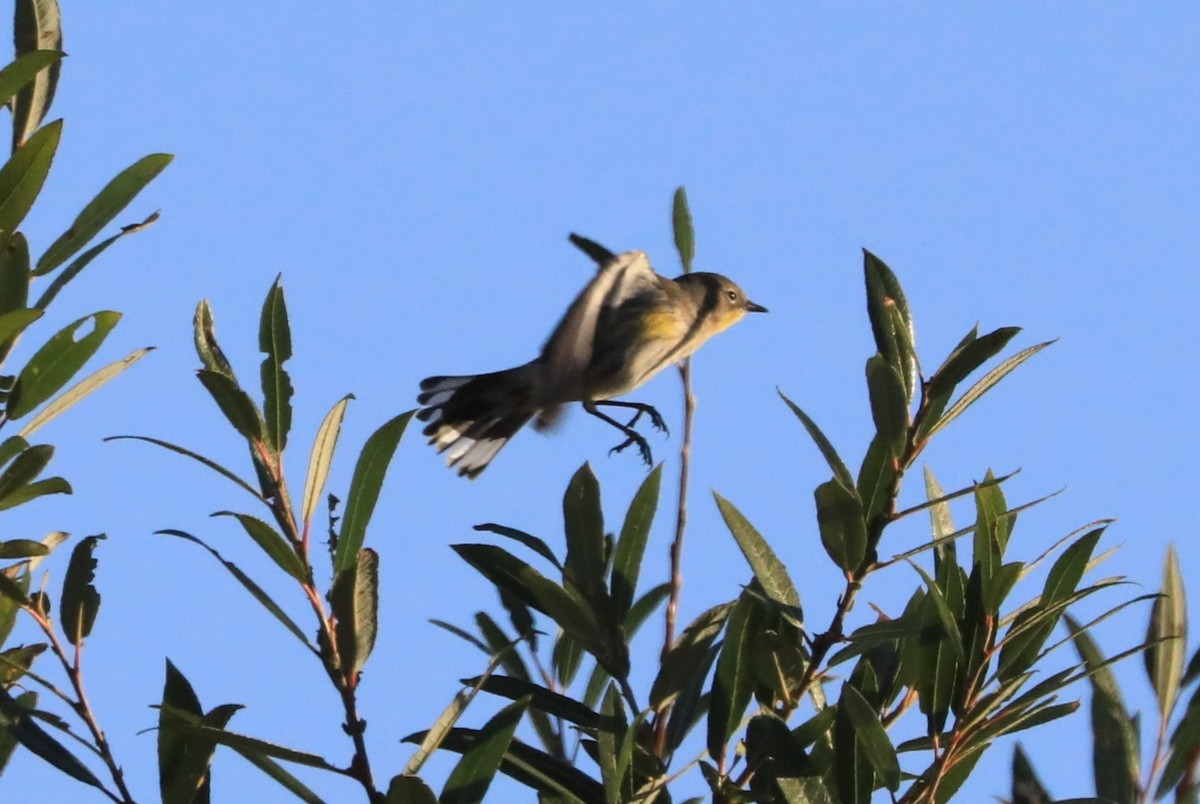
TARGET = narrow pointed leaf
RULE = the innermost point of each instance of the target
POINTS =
(1167, 635)
(771, 573)
(540, 698)
(205, 336)
(369, 473)
(85, 259)
(471, 777)
(356, 608)
(57, 362)
(608, 744)
(985, 384)
(271, 542)
(22, 177)
(235, 404)
(689, 658)
(321, 458)
(73, 395)
(584, 524)
(8, 743)
(211, 464)
(871, 737)
(253, 746)
(1026, 787)
(101, 210)
(877, 477)
(631, 546)
(685, 236)
(22, 548)
(840, 473)
(275, 341)
(80, 600)
(286, 780)
(733, 681)
(529, 540)
(24, 69)
(889, 407)
(250, 586)
(18, 722)
(37, 25)
(891, 321)
(970, 354)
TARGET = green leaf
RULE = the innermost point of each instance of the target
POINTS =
(22, 177)
(521, 537)
(207, 349)
(80, 600)
(22, 548)
(871, 737)
(14, 285)
(583, 521)
(37, 24)
(272, 543)
(183, 761)
(40, 488)
(608, 745)
(211, 464)
(891, 321)
(85, 259)
(685, 236)
(321, 458)
(287, 780)
(101, 210)
(984, 385)
(1115, 744)
(57, 362)
(889, 408)
(24, 69)
(235, 404)
(471, 777)
(15, 662)
(27, 466)
(843, 529)
(840, 473)
(631, 546)
(772, 575)
(733, 681)
(253, 746)
(250, 586)
(72, 396)
(18, 721)
(876, 477)
(1167, 636)
(355, 600)
(275, 341)
(1026, 787)
(15, 322)
(542, 699)
(688, 660)
(11, 447)
(369, 473)
(8, 743)
(971, 353)
(409, 790)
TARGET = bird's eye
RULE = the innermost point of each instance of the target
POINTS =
(731, 295)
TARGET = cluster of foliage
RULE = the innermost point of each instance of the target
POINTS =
(768, 707)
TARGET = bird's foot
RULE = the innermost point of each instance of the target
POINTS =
(635, 438)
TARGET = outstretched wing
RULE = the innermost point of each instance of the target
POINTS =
(569, 350)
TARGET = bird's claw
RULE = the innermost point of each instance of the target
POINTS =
(656, 419)
(642, 446)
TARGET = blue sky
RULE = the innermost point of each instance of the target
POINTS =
(413, 171)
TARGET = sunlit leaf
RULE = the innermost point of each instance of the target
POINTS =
(685, 236)
(22, 177)
(272, 543)
(369, 473)
(1167, 636)
(321, 457)
(355, 601)
(73, 395)
(771, 573)
(37, 25)
(235, 404)
(53, 365)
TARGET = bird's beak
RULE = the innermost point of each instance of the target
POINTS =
(751, 307)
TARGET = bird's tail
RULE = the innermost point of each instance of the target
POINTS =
(471, 417)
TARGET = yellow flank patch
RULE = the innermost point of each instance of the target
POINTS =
(662, 326)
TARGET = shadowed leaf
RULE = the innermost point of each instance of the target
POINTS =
(369, 473)
(80, 600)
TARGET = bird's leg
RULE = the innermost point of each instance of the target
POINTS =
(631, 436)
(656, 419)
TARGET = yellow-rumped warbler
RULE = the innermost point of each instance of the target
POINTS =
(622, 329)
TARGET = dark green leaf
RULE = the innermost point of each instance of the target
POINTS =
(184, 761)
(100, 211)
(22, 548)
(287, 780)
(733, 681)
(80, 600)
(984, 385)
(40, 488)
(688, 658)
(889, 408)
(37, 25)
(355, 602)
(608, 744)
(771, 573)
(631, 546)
(876, 478)
(14, 322)
(871, 737)
(15, 662)
(406, 789)
(211, 464)
(471, 777)
(891, 321)
(8, 743)
(584, 524)
(57, 362)
(272, 543)
(85, 259)
(322, 458)
(1115, 744)
(15, 76)
(14, 284)
(969, 355)
(275, 341)
(1185, 742)
(685, 236)
(22, 177)
(840, 473)
(1026, 787)
(1167, 636)
(843, 530)
(24, 469)
(235, 404)
(369, 473)
(18, 722)
(11, 447)
(252, 746)
(529, 540)
(250, 586)
(540, 698)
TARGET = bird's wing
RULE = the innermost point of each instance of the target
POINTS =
(568, 352)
